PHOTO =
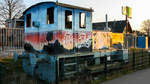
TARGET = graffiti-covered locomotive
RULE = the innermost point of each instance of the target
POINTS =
(58, 41)
(59, 27)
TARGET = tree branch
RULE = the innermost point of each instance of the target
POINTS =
(10, 9)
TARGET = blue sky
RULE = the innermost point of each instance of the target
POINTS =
(110, 7)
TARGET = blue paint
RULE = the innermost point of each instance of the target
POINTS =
(41, 65)
(47, 70)
(39, 14)
(141, 42)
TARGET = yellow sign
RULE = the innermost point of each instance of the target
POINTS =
(124, 11)
(127, 11)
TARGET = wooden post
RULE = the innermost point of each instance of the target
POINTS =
(133, 60)
(1, 41)
(105, 68)
(127, 29)
(57, 71)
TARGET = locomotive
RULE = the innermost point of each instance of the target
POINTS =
(59, 43)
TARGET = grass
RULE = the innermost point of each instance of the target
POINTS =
(9, 69)
(12, 73)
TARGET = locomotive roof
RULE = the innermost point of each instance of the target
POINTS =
(63, 5)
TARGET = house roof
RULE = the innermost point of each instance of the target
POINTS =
(63, 5)
(116, 26)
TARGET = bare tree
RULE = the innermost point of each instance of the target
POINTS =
(10, 9)
(146, 26)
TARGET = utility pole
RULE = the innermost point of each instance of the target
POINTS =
(106, 29)
(127, 27)
(127, 12)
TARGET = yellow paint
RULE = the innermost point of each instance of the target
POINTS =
(117, 38)
(129, 12)
(124, 10)
(101, 39)
(146, 42)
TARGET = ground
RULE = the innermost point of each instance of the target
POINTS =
(12, 73)
(139, 77)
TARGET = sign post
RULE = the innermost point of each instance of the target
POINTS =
(127, 11)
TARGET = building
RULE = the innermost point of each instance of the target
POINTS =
(15, 23)
(115, 26)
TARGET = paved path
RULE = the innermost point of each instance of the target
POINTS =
(139, 77)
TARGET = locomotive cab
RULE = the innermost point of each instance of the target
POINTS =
(58, 28)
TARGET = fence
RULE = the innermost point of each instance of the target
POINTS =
(11, 39)
(138, 59)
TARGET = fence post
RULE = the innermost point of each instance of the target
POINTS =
(105, 67)
(1, 41)
(149, 56)
(142, 58)
(0, 75)
(57, 71)
(133, 60)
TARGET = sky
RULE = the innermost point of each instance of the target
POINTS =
(113, 8)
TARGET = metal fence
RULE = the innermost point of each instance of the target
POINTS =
(11, 39)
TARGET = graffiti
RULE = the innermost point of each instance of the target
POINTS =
(65, 39)
(101, 39)
(79, 39)
(83, 40)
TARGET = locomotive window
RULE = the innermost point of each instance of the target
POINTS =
(50, 15)
(28, 20)
(68, 19)
(82, 20)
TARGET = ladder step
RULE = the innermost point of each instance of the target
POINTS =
(69, 64)
(70, 73)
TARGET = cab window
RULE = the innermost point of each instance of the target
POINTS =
(68, 19)
(50, 15)
(28, 21)
(82, 20)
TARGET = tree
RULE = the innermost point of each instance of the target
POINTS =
(146, 26)
(10, 9)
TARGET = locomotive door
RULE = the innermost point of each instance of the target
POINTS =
(68, 32)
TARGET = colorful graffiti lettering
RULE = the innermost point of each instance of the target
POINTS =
(68, 40)
(101, 39)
